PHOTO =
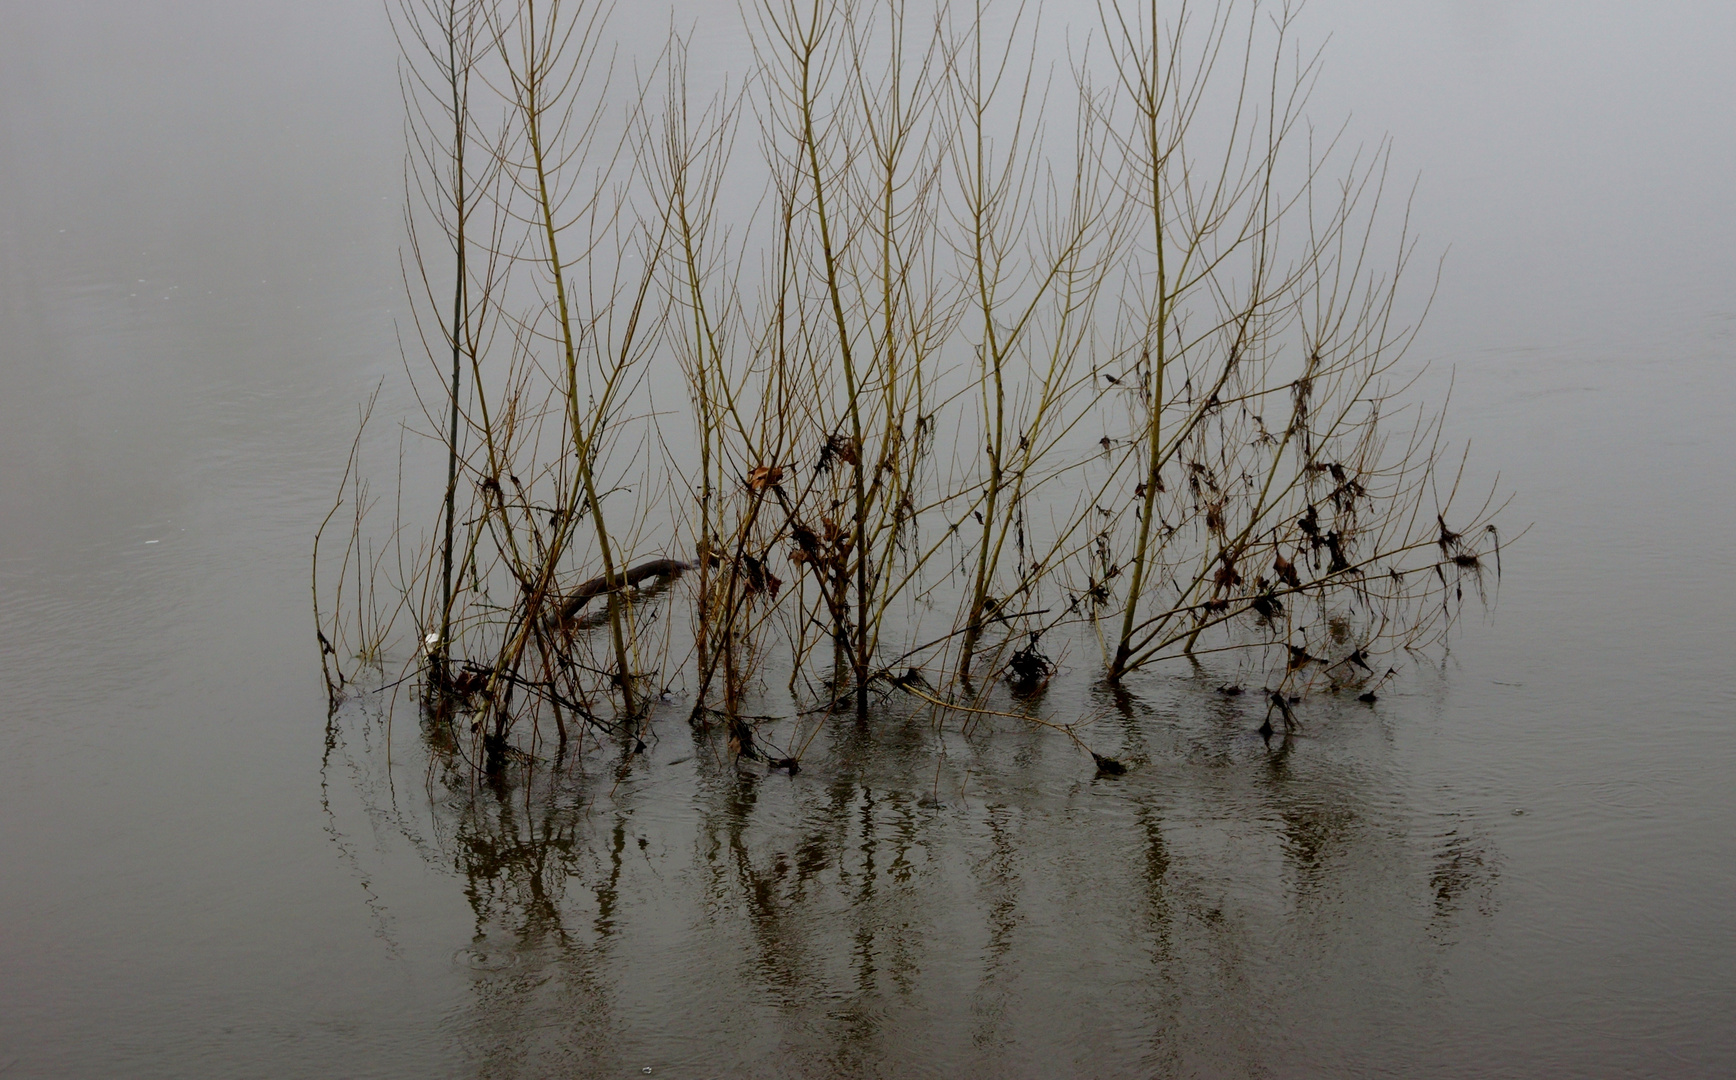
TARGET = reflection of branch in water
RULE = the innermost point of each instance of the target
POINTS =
(532, 866)
(1465, 866)
(998, 888)
(377, 911)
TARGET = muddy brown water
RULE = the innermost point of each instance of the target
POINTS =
(1519, 862)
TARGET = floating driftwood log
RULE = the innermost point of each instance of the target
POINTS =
(652, 568)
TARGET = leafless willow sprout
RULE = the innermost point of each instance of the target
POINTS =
(996, 359)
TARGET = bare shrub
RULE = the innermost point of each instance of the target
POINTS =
(993, 362)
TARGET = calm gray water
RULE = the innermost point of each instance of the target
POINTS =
(1521, 862)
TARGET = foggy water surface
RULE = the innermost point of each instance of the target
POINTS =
(1518, 862)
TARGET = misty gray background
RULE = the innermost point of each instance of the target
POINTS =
(200, 219)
